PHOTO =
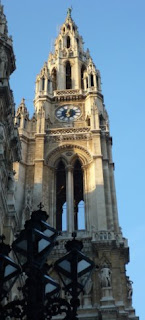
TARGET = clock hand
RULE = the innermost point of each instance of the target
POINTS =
(68, 113)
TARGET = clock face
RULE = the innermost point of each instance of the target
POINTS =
(68, 113)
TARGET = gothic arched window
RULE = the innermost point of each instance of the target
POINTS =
(78, 194)
(97, 80)
(68, 42)
(60, 196)
(81, 215)
(68, 76)
(18, 120)
(64, 217)
(48, 85)
(43, 83)
(54, 79)
(92, 80)
(83, 68)
(68, 26)
(87, 82)
(70, 207)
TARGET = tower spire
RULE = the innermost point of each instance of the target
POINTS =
(3, 21)
(69, 11)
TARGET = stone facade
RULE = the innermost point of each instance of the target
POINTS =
(10, 148)
(67, 165)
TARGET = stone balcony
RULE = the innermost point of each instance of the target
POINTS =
(67, 92)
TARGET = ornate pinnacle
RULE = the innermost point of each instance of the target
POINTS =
(69, 10)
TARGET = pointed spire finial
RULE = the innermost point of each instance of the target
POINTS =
(22, 101)
(69, 10)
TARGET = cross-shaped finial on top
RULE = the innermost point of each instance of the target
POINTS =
(40, 205)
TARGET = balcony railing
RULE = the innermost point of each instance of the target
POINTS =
(67, 92)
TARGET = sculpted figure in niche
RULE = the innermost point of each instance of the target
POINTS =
(28, 202)
(2, 133)
(129, 288)
(105, 276)
(3, 63)
(11, 181)
(28, 205)
(88, 286)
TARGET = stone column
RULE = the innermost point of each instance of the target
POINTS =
(40, 85)
(112, 188)
(99, 195)
(52, 195)
(50, 86)
(37, 86)
(95, 81)
(89, 80)
(85, 84)
(70, 198)
(107, 188)
(46, 86)
(99, 84)
(38, 169)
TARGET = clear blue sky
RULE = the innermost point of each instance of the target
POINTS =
(114, 31)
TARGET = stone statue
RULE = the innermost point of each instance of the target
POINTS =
(11, 181)
(3, 63)
(2, 133)
(28, 201)
(129, 288)
(88, 286)
(105, 276)
(2, 141)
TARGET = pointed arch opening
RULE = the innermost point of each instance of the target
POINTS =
(68, 76)
(97, 81)
(92, 80)
(101, 120)
(87, 82)
(48, 85)
(43, 83)
(60, 44)
(61, 207)
(68, 42)
(79, 208)
(54, 79)
(83, 68)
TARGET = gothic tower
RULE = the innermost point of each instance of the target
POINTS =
(9, 138)
(67, 164)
